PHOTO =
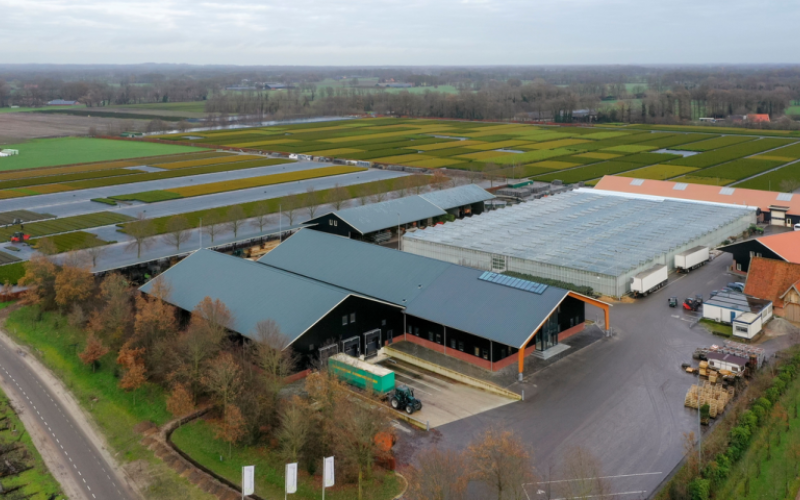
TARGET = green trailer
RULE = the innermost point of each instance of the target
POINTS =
(361, 374)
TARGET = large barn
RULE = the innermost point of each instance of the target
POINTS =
(331, 294)
(588, 238)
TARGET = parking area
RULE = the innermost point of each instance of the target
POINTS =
(443, 400)
(621, 398)
(630, 486)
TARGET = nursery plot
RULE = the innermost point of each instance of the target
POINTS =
(719, 142)
(658, 172)
(588, 172)
(739, 169)
(718, 156)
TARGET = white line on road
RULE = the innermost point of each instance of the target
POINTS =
(608, 495)
(601, 477)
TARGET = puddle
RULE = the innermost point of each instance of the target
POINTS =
(145, 168)
(677, 152)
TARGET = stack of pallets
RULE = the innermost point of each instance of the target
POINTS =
(714, 395)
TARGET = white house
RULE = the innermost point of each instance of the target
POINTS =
(746, 315)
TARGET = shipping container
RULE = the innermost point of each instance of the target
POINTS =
(650, 280)
(361, 374)
(691, 259)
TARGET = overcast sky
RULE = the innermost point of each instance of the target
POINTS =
(400, 32)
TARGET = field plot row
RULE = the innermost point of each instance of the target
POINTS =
(233, 185)
(729, 153)
(132, 177)
(67, 242)
(67, 150)
(66, 224)
(104, 165)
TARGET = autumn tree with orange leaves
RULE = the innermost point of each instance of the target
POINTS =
(180, 402)
(74, 284)
(93, 352)
(113, 319)
(499, 461)
(230, 427)
(40, 280)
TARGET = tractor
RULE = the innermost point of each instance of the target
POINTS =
(20, 237)
(403, 398)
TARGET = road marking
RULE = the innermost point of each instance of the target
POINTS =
(608, 495)
(601, 477)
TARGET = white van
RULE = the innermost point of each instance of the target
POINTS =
(797, 227)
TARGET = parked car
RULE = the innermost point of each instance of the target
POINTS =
(738, 285)
(797, 227)
(714, 292)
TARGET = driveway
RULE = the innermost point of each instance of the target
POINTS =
(621, 398)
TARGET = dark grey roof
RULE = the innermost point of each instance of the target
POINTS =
(458, 196)
(371, 270)
(377, 216)
(458, 299)
(430, 289)
(251, 291)
(737, 301)
(728, 358)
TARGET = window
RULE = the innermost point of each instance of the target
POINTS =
(344, 320)
(461, 346)
(758, 254)
(352, 317)
(410, 329)
(734, 368)
(416, 331)
(478, 352)
(711, 363)
(741, 329)
(453, 344)
(430, 335)
(498, 262)
(383, 322)
(486, 354)
(738, 267)
(438, 338)
(332, 222)
(311, 347)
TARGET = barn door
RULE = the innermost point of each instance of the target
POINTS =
(327, 352)
(793, 312)
(352, 346)
(372, 342)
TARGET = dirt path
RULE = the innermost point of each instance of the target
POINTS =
(18, 365)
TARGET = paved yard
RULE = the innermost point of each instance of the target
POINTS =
(621, 397)
(443, 400)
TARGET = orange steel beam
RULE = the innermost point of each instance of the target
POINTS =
(602, 305)
(522, 359)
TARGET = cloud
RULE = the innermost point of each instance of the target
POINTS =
(399, 32)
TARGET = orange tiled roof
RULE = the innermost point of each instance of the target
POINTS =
(701, 192)
(787, 245)
(758, 117)
(770, 279)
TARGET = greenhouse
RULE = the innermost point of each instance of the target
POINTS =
(585, 238)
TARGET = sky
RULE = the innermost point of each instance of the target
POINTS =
(400, 32)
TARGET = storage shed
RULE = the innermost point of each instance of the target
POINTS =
(726, 361)
(746, 315)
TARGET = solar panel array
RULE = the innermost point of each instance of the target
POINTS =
(524, 285)
(785, 197)
(680, 186)
(637, 182)
(727, 191)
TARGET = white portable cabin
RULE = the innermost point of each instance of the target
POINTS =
(726, 361)
(747, 325)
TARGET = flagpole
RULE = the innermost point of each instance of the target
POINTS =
(323, 478)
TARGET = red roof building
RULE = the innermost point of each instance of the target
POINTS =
(758, 118)
(780, 209)
(778, 282)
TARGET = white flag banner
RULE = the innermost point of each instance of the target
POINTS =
(248, 480)
(291, 478)
(327, 472)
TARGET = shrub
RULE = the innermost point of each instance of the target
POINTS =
(772, 394)
(699, 489)
(740, 436)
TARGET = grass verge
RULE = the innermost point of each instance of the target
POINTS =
(99, 394)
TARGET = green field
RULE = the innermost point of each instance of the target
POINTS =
(774, 181)
(66, 224)
(186, 107)
(658, 172)
(66, 150)
(76, 240)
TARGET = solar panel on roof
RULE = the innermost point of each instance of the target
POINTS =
(785, 196)
(680, 186)
(637, 182)
(520, 284)
(727, 191)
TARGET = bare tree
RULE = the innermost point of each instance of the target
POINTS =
(337, 196)
(582, 475)
(94, 253)
(355, 439)
(418, 183)
(235, 219)
(212, 224)
(141, 230)
(380, 195)
(295, 428)
(311, 201)
(502, 463)
(289, 206)
(272, 348)
(437, 475)
(789, 185)
(178, 231)
(439, 179)
(261, 214)
(362, 193)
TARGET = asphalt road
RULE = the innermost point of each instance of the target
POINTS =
(621, 397)
(78, 455)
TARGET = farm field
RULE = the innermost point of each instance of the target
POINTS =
(658, 172)
(224, 186)
(67, 150)
(186, 107)
(76, 240)
(773, 181)
(518, 150)
(66, 224)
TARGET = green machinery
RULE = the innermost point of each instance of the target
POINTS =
(362, 375)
